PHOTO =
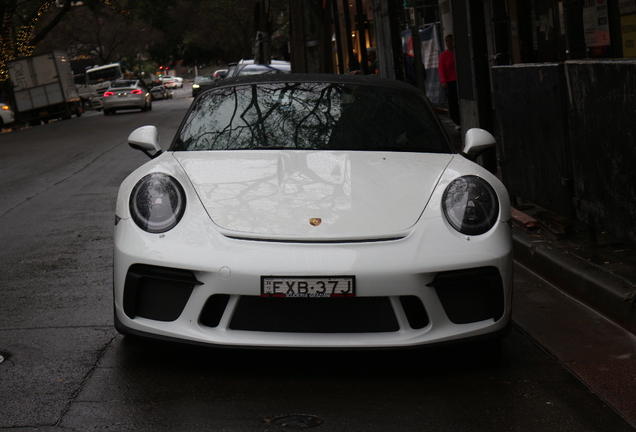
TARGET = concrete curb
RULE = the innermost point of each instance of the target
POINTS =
(599, 290)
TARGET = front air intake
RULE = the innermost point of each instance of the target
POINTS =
(157, 293)
(470, 295)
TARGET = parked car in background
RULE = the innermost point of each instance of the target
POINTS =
(248, 67)
(312, 211)
(257, 69)
(231, 68)
(220, 74)
(7, 115)
(127, 94)
(160, 92)
(200, 83)
(172, 81)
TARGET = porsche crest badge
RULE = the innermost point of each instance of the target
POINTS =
(315, 221)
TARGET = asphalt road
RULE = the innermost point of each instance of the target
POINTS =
(65, 368)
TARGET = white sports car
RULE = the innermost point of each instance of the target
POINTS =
(322, 211)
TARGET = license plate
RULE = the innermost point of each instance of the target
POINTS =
(303, 286)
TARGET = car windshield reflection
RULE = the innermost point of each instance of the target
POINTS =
(311, 116)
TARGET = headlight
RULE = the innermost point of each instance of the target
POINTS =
(470, 205)
(195, 85)
(157, 203)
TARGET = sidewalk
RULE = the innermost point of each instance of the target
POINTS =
(593, 267)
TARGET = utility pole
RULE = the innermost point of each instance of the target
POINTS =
(262, 44)
(362, 39)
(311, 30)
(420, 72)
(574, 30)
(297, 33)
(500, 22)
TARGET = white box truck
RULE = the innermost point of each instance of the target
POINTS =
(92, 84)
(43, 88)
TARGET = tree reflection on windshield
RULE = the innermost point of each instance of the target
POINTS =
(311, 116)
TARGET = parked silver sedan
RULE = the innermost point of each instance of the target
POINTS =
(127, 94)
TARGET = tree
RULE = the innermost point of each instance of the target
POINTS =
(27, 22)
(202, 31)
(103, 34)
(194, 32)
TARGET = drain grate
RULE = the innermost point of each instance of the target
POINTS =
(295, 421)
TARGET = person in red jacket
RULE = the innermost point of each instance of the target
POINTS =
(448, 78)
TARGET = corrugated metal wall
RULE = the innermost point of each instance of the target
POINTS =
(568, 138)
(603, 136)
(530, 106)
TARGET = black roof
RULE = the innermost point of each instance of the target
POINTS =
(369, 80)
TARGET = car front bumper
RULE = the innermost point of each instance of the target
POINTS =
(428, 287)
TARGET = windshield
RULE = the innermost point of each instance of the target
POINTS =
(107, 74)
(121, 84)
(258, 69)
(311, 116)
(202, 79)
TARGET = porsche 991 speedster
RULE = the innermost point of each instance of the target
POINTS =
(312, 211)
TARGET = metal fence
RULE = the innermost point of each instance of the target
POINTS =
(568, 138)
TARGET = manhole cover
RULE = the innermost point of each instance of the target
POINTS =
(296, 421)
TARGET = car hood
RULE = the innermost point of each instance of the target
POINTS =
(313, 194)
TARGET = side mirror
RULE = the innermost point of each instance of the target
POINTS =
(146, 139)
(477, 141)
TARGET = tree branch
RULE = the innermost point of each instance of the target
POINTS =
(42, 33)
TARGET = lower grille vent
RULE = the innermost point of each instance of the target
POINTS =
(213, 310)
(471, 295)
(414, 311)
(315, 315)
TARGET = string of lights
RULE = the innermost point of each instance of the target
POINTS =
(20, 46)
(6, 43)
(23, 45)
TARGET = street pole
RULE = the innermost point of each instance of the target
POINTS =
(420, 72)
(574, 30)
